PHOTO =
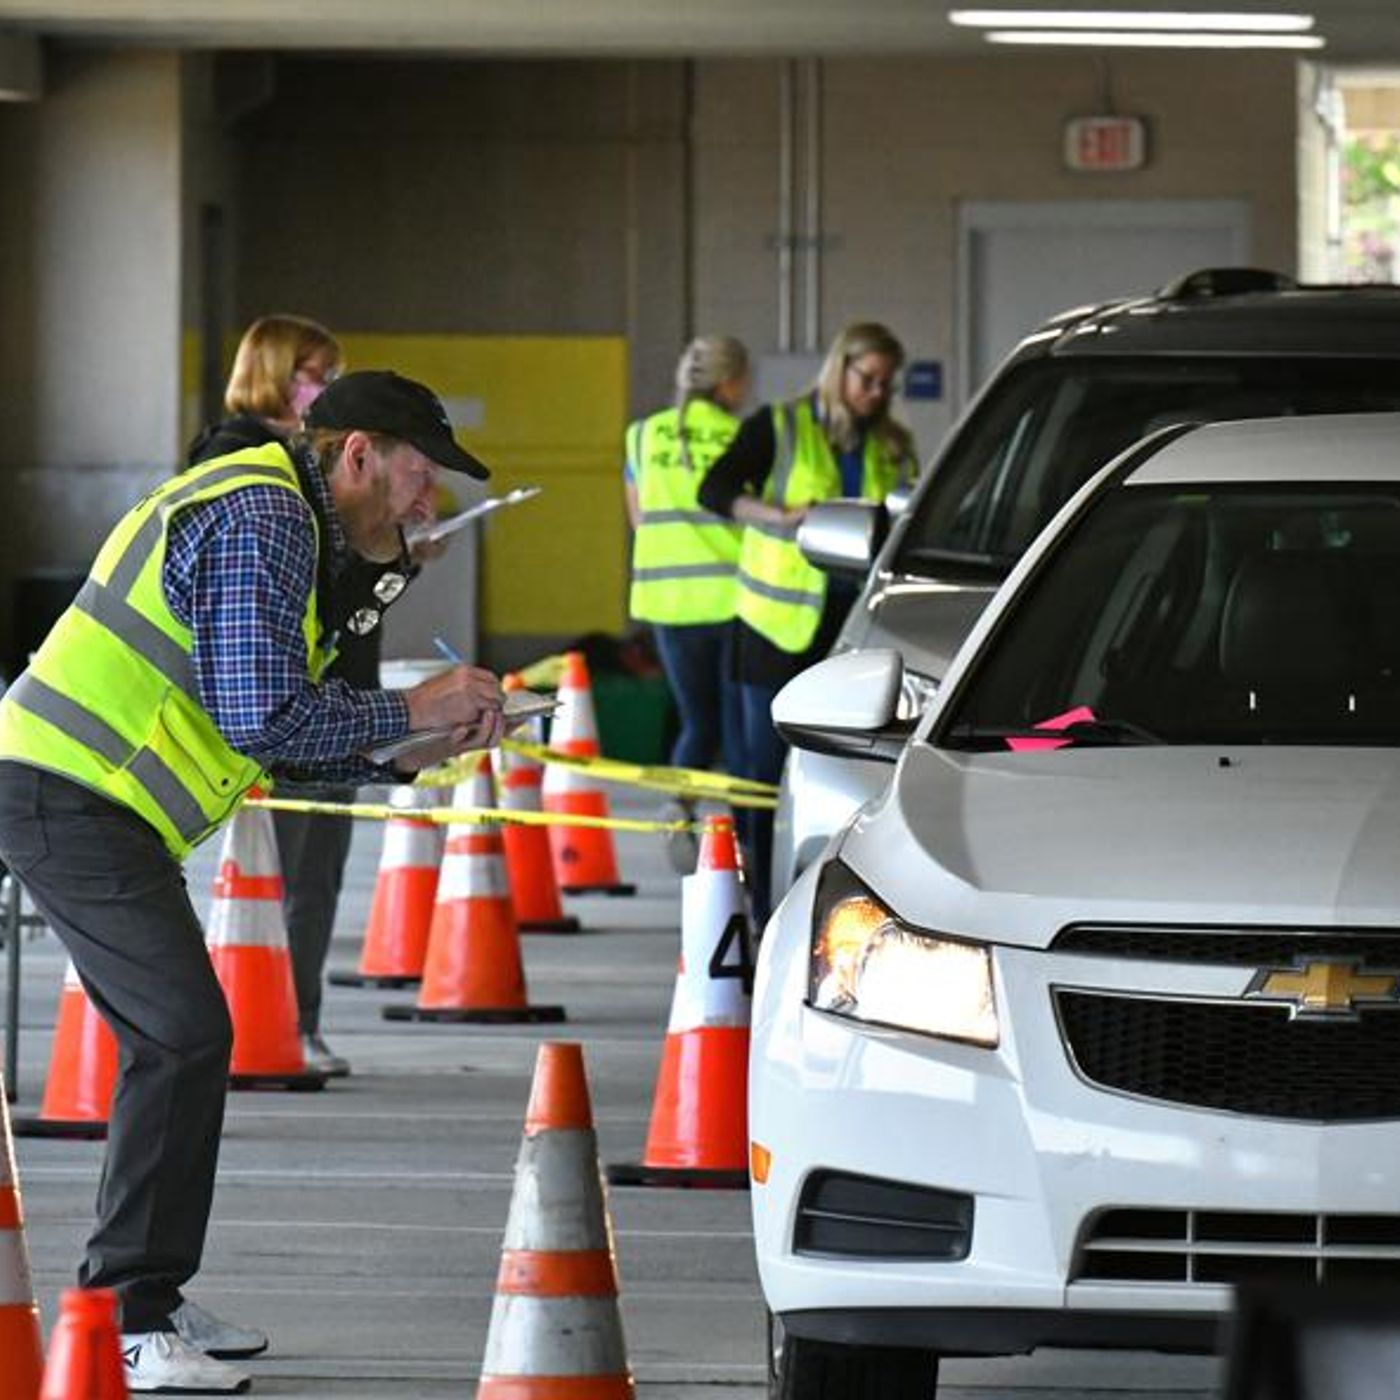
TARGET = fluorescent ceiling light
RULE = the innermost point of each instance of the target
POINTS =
(1108, 38)
(1134, 19)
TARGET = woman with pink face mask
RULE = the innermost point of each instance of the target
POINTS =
(282, 364)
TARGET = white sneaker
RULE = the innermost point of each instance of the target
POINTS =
(162, 1362)
(212, 1335)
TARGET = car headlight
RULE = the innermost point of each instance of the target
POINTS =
(870, 966)
(916, 694)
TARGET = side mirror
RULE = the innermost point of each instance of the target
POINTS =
(846, 705)
(843, 537)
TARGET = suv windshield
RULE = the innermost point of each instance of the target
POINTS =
(1243, 614)
(1053, 422)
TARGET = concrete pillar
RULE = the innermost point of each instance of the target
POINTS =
(90, 275)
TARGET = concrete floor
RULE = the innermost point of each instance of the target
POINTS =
(362, 1225)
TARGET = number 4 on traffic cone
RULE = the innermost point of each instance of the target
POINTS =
(699, 1117)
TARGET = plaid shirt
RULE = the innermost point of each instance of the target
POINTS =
(238, 572)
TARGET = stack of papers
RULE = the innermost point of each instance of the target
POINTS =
(520, 705)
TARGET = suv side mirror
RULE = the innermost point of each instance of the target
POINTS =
(843, 536)
(846, 705)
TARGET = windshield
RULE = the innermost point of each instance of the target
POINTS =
(1050, 424)
(1235, 614)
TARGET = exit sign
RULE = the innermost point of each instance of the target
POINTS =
(1105, 143)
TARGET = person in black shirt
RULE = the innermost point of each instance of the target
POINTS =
(282, 364)
(837, 439)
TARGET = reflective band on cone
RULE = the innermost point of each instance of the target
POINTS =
(85, 1357)
(396, 937)
(533, 888)
(473, 969)
(21, 1346)
(247, 938)
(584, 859)
(555, 1331)
(698, 1134)
(82, 1070)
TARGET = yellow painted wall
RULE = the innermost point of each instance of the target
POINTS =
(191, 353)
(540, 411)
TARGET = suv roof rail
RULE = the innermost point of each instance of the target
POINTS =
(1226, 281)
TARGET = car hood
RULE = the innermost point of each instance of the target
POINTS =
(924, 620)
(1015, 846)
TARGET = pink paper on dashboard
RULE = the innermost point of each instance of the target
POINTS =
(1081, 714)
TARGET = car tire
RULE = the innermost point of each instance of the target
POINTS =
(801, 1369)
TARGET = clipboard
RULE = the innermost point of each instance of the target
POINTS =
(519, 706)
(441, 529)
(420, 741)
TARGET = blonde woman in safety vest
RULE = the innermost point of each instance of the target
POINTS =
(837, 439)
(685, 558)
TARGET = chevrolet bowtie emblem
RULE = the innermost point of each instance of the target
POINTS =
(1323, 989)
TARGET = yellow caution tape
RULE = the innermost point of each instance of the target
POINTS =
(544, 674)
(680, 782)
(462, 816)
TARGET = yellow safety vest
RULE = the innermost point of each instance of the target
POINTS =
(110, 698)
(781, 595)
(684, 557)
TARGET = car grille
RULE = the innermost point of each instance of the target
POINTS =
(1231, 947)
(1237, 1247)
(1240, 1058)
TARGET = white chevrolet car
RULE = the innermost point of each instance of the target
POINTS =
(1094, 1011)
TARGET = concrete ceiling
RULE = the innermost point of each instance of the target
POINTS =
(1358, 31)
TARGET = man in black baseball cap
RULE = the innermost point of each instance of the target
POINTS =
(118, 757)
(380, 401)
(380, 440)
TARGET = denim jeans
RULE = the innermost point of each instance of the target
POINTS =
(764, 752)
(698, 662)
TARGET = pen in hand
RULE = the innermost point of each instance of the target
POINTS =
(448, 652)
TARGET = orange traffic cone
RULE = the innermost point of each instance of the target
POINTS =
(82, 1070)
(396, 938)
(699, 1115)
(555, 1327)
(21, 1347)
(584, 860)
(473, 970)
(85, 1355)
(533, 889)
(247, 940)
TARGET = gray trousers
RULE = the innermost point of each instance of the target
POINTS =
(114, 895)
(312, 849)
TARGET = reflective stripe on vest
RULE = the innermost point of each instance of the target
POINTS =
(781, 595)
(683, 556)
(110, 698)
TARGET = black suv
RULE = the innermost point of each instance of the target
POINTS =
(1217, 344)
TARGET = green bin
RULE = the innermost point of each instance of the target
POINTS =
(636, 717)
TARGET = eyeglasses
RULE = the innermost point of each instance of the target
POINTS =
(324, 377)
(875, 383)
(386, 589)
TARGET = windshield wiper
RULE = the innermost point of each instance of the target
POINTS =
(1086, 733)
